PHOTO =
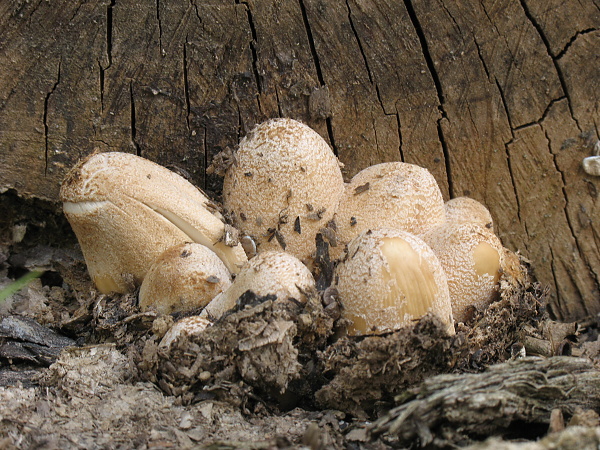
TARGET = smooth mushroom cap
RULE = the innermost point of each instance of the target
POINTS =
(126, 210)
(188, 326)
(389, 278)
(183, 278)
(472, 257)
(283, 187)
(270, 272)
(394, 195)
(468, 210)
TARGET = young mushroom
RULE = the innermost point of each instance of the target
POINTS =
(472, 257)
(395, 195)
(183, 278)
(283, 186)
(268, 273)
(468, 210)
(188, 326)
(126, 210)
(389, 278)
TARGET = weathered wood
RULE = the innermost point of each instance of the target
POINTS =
(499, 100)
(450, 409)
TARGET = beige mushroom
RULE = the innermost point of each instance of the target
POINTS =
(389, 278)
(188, 326)
(468, 210)
(472, 257)
(183, 278)
(268, 273)
(126, 210)
(395, 195)
(283, 187)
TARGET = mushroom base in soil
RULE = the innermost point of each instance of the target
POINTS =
(389, 286)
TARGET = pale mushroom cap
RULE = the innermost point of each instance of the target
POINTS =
(394, 195)
(283, 187)
(389, 278)
(468, 210)
(126, 210)
(188, 326)
(472, 259)
(184, 277)
(270, 272)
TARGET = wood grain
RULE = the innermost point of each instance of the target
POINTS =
(499, 100)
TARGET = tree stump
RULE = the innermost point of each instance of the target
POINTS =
(499, 100)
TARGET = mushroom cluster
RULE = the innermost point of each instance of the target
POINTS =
(401, 252)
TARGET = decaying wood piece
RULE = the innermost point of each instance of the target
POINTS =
(452, 409)
(23, 339)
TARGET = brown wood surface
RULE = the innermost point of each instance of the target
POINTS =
(499, 100)
(451, 409)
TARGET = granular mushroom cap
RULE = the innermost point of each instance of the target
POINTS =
(183, 278)
(188, 326)
(389, 278)
(395, 195)
(283, 187)
(472, 257)
(268, 273)
(468, 210)
(126, 210)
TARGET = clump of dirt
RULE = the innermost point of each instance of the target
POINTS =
(264, 351)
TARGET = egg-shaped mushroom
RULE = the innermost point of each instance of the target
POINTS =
(472, 257)
(268, 273)
(127, 210)
(283, 186)
(388, 278)
(468, 210)
(395, 195)
(183, 278)
(188, 326)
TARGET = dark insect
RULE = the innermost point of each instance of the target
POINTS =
(352, 221)
(280, 239)
(330, 235)
(297, 228)
(283, 217)
(362, 188)
(317, 215)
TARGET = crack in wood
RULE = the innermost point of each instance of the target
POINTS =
(160, 46)
(135, 144)
(317, 63)
(109, 31)
(399, 128)
(559, 72)
(513, 183)
(572, 41)
(205, 159)
(254, 52)
(358, 41)
(569, 219)
(186, 84)
(438, 87)
(45, 118)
